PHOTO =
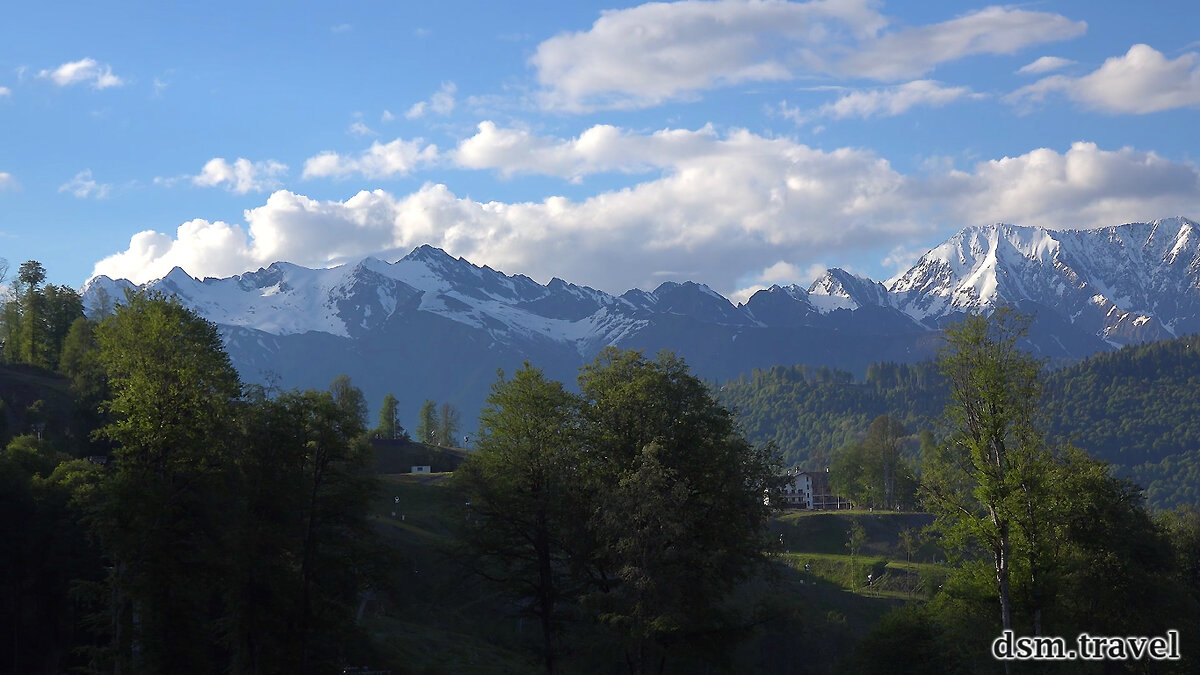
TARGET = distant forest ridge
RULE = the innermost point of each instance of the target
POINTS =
(1135, 408)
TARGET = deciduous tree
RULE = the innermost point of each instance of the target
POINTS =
(164, 507)
(524, 484)
(987, 482)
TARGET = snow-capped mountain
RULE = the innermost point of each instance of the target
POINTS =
(434, 326)
(1124, 284)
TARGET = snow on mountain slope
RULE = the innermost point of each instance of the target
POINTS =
(1127, 283)
(839, 289)
(1122, 284)
(346, 301)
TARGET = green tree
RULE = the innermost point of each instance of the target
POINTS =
(680, 513)
(448, 423)
(164, 507)
(62, 307)
(46, 556)
(856, 537)
(885, 437)
(522, 486)
(303, 542)
(389, 419)
(31, 274)
(874, 471)
(350, 398)
(637, 503)
(987, 483)
(428, 424)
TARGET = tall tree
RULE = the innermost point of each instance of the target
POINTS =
(303, 542)
(350, 398)
(522, 484)
(448, 422)
(428, 424)
(31, 274)
(680, 513)
(62, 306)
(637, 503)
(165, 505)
(389, 419)
(986, 482)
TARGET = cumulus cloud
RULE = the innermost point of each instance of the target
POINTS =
(1139, 82)
(781, 273)
(1086, 186)
(892, 101)
(5, 91)
(441, 102)
(84, 186)
(86, 70)
(602, 148)
(7, 182)
(1045, 64)
(656, 52)
(381, 160)
(726, 207)
(242, 176)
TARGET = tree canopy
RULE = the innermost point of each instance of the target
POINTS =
(636, 501)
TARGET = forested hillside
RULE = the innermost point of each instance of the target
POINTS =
(1136, 408)
(810, 412)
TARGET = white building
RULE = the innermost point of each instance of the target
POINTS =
(810, 490)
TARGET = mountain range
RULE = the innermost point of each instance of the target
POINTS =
(431, 326)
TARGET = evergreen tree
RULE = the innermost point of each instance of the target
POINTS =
(428, 424)
(32, 346)
(389, 419)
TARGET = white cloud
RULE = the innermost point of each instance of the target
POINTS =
(901, 258)
(416, 110)
(892, 101)
(5, 91)
(7, 182)
(360, 129)
(387, 116)
(1084, 187)
(341, 28)
(84, 70)
(781, 273)
(1142, 81)
(1045, 64)
(381, 160)
(602, 148)
(83, 186)
(726, 208)
(656, 52)
(993, 30)
(242, 176)
(442, 102)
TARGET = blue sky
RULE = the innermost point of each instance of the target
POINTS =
(616, 145)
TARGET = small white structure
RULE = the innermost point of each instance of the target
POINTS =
(421, 469)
